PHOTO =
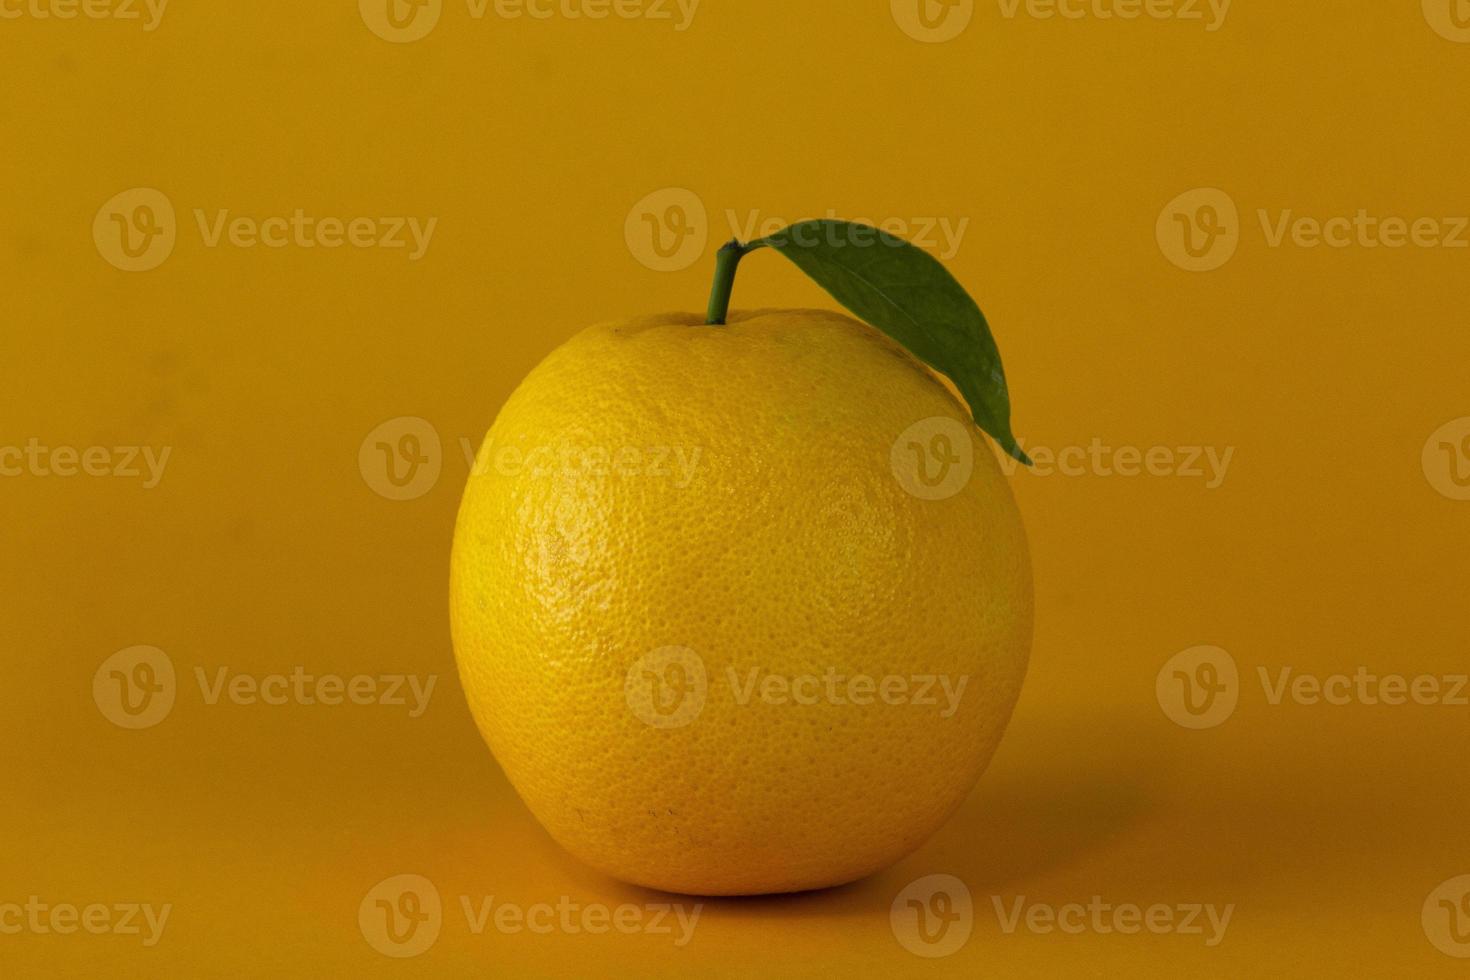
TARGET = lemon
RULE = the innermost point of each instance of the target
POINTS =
(739, 609)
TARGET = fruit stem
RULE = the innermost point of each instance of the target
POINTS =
(727, 260)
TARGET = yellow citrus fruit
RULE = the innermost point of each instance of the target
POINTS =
(742, 608)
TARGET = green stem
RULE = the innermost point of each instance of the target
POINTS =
(727, 260)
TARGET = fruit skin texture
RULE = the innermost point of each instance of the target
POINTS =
(789, 547)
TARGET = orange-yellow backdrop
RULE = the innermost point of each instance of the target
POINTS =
(1055, 150)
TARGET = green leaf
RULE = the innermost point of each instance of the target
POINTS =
(905, 292)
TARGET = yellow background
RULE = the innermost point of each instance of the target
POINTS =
(1326, 547)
